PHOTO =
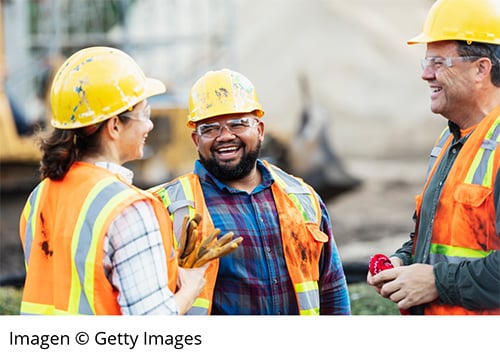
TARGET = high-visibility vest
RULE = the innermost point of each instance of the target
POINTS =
(62, 229)
(299, 215)
(464, 225)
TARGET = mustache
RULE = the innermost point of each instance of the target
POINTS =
(234, 142)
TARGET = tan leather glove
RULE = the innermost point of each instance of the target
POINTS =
(195, 251)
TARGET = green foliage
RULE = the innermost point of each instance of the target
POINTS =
(364, 301)
(89, 16)
(10, 300)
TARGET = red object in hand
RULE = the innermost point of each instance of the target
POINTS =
(378, 263)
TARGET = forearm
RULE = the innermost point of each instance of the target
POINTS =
(471, 284)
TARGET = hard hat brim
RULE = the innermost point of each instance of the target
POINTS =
(419, 39)
(154, 87)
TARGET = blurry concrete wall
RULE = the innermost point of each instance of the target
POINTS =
(359, 67)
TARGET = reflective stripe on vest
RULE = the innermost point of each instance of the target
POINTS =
(308, 298)
(100, 202)
(33, 203)
(481, 170)
(180, 203)
(301, 196)
(454, 254)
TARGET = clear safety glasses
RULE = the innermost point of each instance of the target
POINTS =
(234, 126)
(142, 115)
(437, 63)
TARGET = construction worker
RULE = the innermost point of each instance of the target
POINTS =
(93, 243)
(288, 262)
(451, 263)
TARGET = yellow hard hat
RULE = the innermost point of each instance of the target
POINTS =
(467, 20)
(222, 92)
(95, 84)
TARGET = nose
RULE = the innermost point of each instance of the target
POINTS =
(428, 73)
(221, 131)
(150, 125)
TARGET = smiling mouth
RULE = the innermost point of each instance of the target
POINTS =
(227, 153)
(227, 150)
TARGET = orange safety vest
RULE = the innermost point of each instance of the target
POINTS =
(299, 215)
(464, 225)
(62, 229)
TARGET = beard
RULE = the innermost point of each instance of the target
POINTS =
(225, 172)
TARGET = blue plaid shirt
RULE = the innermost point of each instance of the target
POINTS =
(254, 279)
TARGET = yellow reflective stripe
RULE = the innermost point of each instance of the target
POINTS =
(456, 251)
(165, 198)
(306, 286)
(307, 295)
(89, 282)
(201, 302)
(480, 156)
(188, 193)
(310, 312)
(488, 178)
(316, 208)
(292, 196)
(473, 166)
(296, 201)
(75, 291)
(199, 308)
(30, 215)
(31, 308)
(162, 193)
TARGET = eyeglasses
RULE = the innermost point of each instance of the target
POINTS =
(234, 126)
(143, 114)
(437, 63)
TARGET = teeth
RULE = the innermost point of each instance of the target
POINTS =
(227, 149)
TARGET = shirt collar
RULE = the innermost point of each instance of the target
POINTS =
(459, 134)
(124, 172)
(205, 176)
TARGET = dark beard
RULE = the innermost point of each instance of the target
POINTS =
(229, 173)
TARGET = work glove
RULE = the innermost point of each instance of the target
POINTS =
(195, 251)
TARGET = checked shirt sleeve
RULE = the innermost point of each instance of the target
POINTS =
(135, 263)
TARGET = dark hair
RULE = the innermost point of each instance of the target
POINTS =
(61, 148)
(486, 50)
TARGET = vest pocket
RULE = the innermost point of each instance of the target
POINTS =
(318, 238)
(472, 215)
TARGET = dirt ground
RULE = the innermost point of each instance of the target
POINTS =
(376, 218)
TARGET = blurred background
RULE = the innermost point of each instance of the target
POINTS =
(345, 106)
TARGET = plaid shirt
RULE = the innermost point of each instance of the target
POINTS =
(135, 261)
(254, 279)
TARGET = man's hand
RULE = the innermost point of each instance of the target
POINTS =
(407, 286)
